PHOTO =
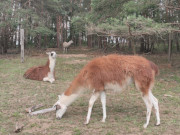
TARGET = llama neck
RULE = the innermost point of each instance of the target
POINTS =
(52, 63)
(68, 100)
(72, 93)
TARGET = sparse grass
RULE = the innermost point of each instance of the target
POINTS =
(125, 111)
(77, 131)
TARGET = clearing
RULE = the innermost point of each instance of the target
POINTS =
(125, 111)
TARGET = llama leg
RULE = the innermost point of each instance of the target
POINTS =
(148, 102)
(91, 103)
(156, 107)
(103, 100)
(51, 80)
(64, 49)
(45, 79)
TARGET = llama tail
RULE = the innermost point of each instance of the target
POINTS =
(155, 68)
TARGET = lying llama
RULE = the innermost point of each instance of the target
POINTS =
(112, 72)
(46, 72)
(66, 45)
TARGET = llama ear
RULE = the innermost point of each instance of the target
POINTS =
(59, 96)
(48, 53)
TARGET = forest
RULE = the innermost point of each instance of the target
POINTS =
(49, 47)
(140, 25)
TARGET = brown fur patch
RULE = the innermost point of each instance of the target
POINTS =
(37, 73)
(115, 68)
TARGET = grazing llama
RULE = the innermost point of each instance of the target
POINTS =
(112, 72)
(46, 72)
(66, 45)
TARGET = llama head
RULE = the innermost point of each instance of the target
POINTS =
(60, 108)
(51, 54)
(71, 41)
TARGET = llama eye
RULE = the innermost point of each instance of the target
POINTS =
(58, 107)
(51, 54)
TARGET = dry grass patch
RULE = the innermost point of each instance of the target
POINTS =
(125, 111)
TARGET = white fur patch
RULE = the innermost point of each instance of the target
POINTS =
(52, 64)
(117, 87)
(67, 100)
(50, 75)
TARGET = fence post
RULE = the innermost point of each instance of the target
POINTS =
(22, 44)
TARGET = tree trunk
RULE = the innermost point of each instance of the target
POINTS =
(105, 43)
(134, 46)
(5, 41)
(66, 31)
(45, 41)
(61, 24)
(129, 44)
(100, 42)
(39, 41)
(170, 47)
(117, 44)
(19, 46)
(58, 29)
(142, 45)
(177, 43)
(79, 39)
(89, 38)
(152, 46)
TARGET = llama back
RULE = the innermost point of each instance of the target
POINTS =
(37, 73)
(115, 69)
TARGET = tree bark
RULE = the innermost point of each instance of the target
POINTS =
(142, 47)
(89, 38)
(129, 44)
(66, 30)
(79, 39)
(134, 46)
(170, 47)
(61, 24)
(117, 44)
(58, 29)
(177, 43)
(105, 43)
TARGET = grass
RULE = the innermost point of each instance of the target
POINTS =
(125, 111)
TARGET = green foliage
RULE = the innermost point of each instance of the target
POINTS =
(135, 18)
(141, 24)
(110, 17)
(139, 7)
(42, 30)
(78, 24)
(103, 9)
(6, 15)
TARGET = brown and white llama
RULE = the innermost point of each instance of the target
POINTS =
(43, 73)
(66, 46)
(112, 72)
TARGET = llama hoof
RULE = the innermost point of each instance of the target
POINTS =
(145, 126)
(58, 118)
(86, 123)
(103, 121)
(45, 79)
(51, 81)
(157, 124)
